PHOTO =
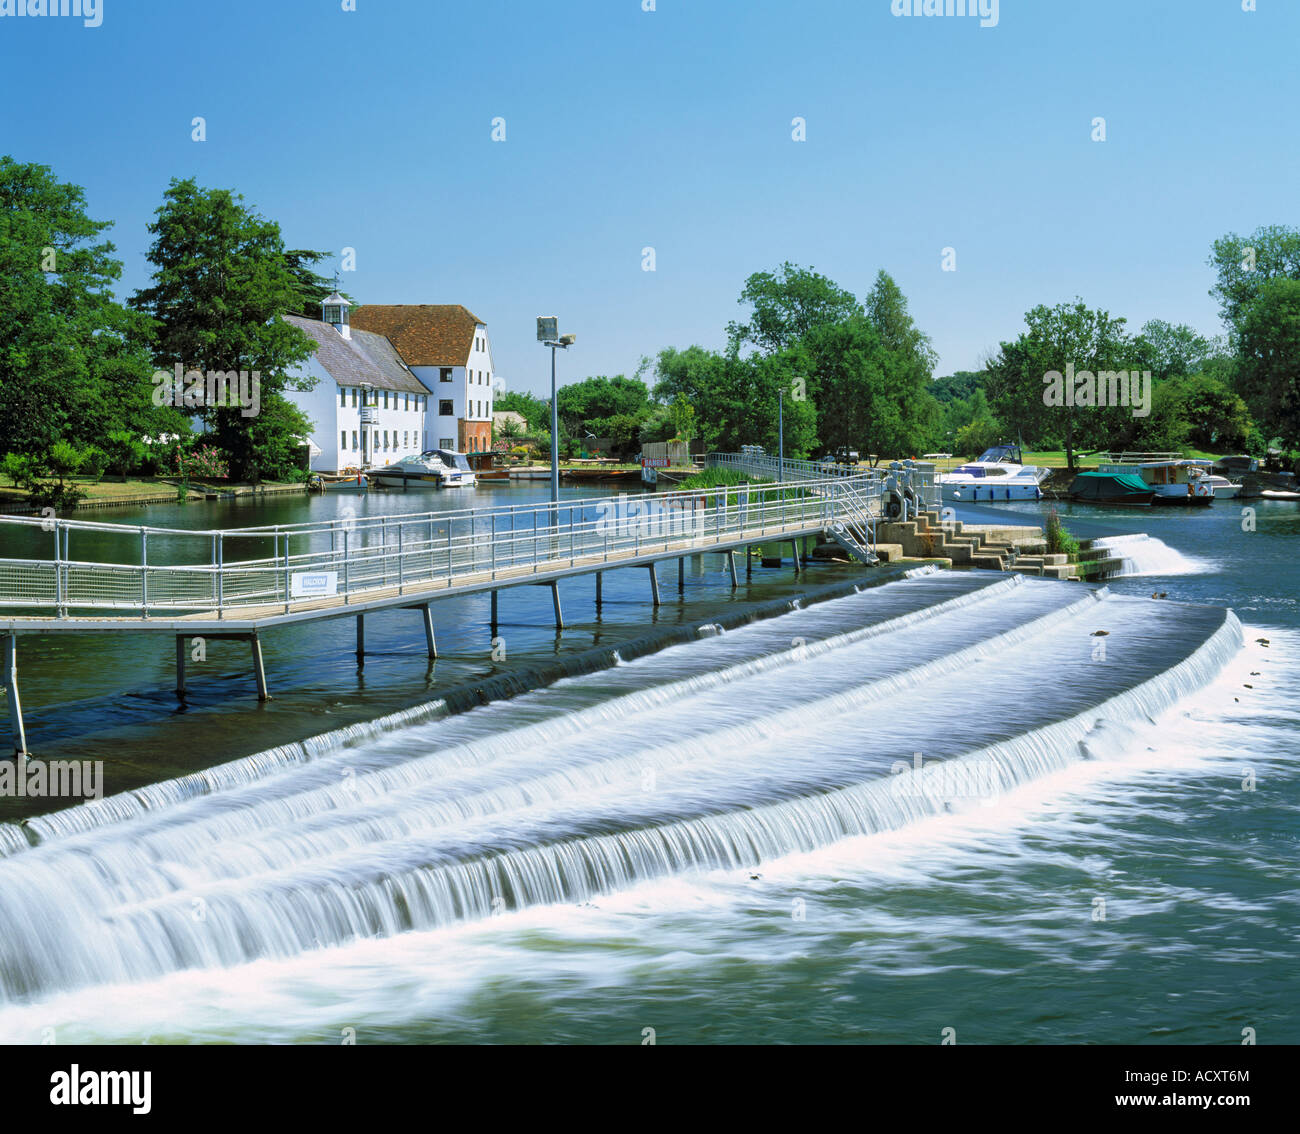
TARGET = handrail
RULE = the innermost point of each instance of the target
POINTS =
(404, 551)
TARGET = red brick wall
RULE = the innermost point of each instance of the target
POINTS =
(475, 436)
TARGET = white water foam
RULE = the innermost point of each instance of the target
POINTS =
(1146, 555)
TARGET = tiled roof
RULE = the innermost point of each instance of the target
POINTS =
(425, 334)
(351, 365)
(384, 355)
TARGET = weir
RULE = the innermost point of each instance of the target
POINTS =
(723, 752)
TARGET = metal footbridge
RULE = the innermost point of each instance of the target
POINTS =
(73, 576)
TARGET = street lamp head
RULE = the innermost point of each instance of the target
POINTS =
(548, 327)
(568, 340)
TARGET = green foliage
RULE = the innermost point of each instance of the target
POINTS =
(958, 386)
(1243, 265)
(593, 400)
(787, 305)
(94, 461)
(1059, 540)
(19, 468)
(64, 459)
(71, 364)
(1269, 374)
(1091, 340)
(721, 478)
(534, 410)
(125, 451)
(221, 282)
(682, 414)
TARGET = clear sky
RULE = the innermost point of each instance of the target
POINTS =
(372, 129)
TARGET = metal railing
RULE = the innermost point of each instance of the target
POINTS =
(921, 476)
(73, 568)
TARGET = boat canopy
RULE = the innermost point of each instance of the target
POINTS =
(1096, 485)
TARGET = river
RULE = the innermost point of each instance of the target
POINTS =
(1025, 811)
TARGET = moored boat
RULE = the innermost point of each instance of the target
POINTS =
(434, 468)
(1174, 481)
(999, 474)
(1111, 488)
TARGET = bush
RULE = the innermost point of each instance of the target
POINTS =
(94, 461)
(19, 468)
(58, 496)
(1059, 540)
(125, 452)
(64, 459)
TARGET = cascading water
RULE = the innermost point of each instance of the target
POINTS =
(732, 750)
(1142, 554)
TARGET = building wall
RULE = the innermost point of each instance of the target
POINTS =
(336, 423)
(470, 393)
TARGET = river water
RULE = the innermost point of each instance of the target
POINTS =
(1023, 810)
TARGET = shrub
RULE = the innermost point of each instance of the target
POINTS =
(94, 461)
(64, 459)
(125, 452)
(1059, 540)
(19, 468)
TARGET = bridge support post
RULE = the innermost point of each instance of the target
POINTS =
(361, 640)
(259, 670)
(749, 562)
(731, 563)
(794, 550)
(494, 610)
(180, 665)
(429, 639)
(555, 598)
(654, 583)
(9, 675)
(681, 575)
(600, 577)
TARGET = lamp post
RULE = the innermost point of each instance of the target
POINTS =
(548, 327)
(780, 434)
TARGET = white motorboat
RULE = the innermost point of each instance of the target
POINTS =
(999, 474)
(434, 468)
(1224, 489)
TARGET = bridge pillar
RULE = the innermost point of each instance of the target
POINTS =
(654, 583)
(600, 576)
(731, 563)
(555, 598)
(681, 574)
(9, 675)
(361, 640)
(794, 550)
(749, 562)
(180, 665)
(494, 610)
(259, 671)
(429, 639)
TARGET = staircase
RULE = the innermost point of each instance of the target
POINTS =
(856, 532)
(1020, 549)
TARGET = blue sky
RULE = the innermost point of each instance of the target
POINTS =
(672, 129)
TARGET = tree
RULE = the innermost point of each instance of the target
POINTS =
(1169, 351)
(1067, 335)
(222, 281)
(957, 386)
(71, 363)
(787, 306)
(1244, 264)
(1269, 341)
(886, 307)
(593, 399)
(313, 289)
(535, 411)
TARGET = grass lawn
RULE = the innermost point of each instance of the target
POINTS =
(113, 489)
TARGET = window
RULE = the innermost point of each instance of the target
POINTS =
(354, 398)
(374, 441)
(444, 374)
(355, 446)
(385, 399)
(343, 396)
(445, 443)
(343, 439)
(406, 401)
(406, 439)
(445, 407)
